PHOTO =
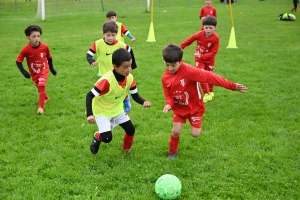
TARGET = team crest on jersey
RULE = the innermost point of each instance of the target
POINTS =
(182, 82)
(42, 55)
(209, 44)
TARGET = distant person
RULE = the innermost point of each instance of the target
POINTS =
(111, 15)
(103, 48)
(295, 2)
(206, 50)
(182, 94)
(207, 10)
(104, 102)
(39, 61)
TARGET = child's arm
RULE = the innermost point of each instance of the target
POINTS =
(133, 64)
(126, 32)
(90, 60)
(136, 97)
(201, 13)
(169, 100)
(188, 41)
(199, 75)
(90, 54)
(89, 110)
(22, 70)
(53, 71)
(131, 37)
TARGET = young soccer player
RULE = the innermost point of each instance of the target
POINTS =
(206, 50)
(111, 15)
(295, 2)
(207, 10)
(182, 94)
(104, 102)
(39, 61)
(103, 49)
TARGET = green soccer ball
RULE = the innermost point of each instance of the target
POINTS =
(168, 186)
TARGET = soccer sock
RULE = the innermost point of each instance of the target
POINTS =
(173, 148)
(205, 88)
(128, 140)
(42, 95)
(97, 136)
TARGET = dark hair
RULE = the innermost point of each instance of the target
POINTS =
(111, 13)
(110, 26)
(32, 28)
(172, 53)
(119, 56)
(209, 20)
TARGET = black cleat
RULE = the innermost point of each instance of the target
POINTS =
(95, 145)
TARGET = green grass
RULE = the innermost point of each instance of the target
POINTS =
(249, 147)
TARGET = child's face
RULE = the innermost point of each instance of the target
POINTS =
(172, 67)
(109, 37)
(208, 2)
(124, 69)
(34, 38)
(112, 18)
(209, 30)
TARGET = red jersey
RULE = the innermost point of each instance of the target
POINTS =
(182, 91)
(36, 58)
(208, 11)
(207, 46)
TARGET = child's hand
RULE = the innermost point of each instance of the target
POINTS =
(197, 54)
(146, 104)
(166, 108)
(240, 88)
(95, 63)
(91, 119)
(133, 40)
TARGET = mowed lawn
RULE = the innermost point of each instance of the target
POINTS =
(249, 146)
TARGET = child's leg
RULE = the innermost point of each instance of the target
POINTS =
(210, 68)
(103, 135)
(204, 86)
(173, 147)
(175, 136)
(129, 134)
(196, 124)
(127, 104)
(42, 96)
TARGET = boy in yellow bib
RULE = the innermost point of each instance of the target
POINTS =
(102, 50)
(104, 103)
(111, 15)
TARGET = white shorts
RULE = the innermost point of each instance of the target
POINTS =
(106, 124)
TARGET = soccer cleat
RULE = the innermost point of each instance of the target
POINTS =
(40, 111)
(212, 94)
(172, 156)
(127, 105)
(95, 145)
(125, 150)
(207, 98)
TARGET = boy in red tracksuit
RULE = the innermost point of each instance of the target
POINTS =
(207, 10)
(182, 94)
(39, 62)
(206, 50)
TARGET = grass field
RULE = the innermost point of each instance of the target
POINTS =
(249, 147)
